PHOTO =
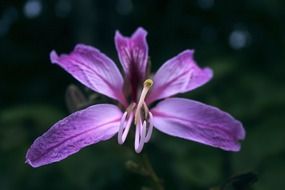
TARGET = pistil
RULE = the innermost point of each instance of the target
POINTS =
(147, 85)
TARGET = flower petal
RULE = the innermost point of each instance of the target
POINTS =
(195, 121)
(80, 129)
(178, 75)
(133, 55)
(93, 69)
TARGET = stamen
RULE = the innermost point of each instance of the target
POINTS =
(125, 123)
(140, 136)
(121, 128)
(150, 128)
(147, 85)
(128, 126)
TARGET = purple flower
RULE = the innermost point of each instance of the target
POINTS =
(179, 117)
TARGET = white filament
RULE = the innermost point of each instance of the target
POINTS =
(140, 136)
(127, 128)
(150, 128)
(121, 128)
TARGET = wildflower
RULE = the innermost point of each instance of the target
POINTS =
(136, 93)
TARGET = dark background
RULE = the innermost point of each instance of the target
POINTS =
(243, 41)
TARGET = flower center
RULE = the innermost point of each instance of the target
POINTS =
(142, 119)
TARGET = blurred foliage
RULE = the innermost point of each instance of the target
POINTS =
(243, 41)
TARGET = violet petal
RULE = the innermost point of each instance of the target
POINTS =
(93, 69)
(198, 122)
(133, 54)
(78, 130)
(178, 75)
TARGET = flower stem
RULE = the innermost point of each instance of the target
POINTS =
(144, 168)
(151, 173)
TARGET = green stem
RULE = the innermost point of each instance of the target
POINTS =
(151, 173)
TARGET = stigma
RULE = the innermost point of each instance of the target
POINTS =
(148, 83)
